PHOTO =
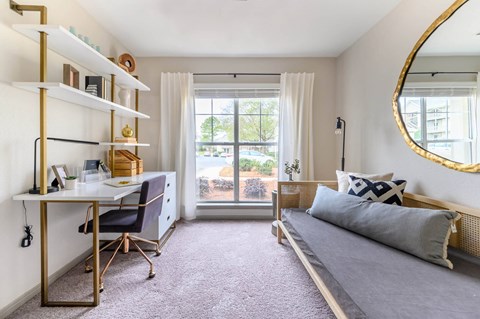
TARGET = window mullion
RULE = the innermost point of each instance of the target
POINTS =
(211, 120)
(236, 154)
(423, 110)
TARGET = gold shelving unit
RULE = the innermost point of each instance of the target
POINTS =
(69, 46)
(66, 44)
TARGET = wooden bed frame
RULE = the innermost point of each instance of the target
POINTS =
(301, 195)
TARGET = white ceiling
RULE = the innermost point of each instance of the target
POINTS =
(238, 28)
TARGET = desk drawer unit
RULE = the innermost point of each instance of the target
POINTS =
(169, 213)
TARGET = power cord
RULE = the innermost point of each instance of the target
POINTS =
(27, 241)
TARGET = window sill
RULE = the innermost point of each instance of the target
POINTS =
(265, 206)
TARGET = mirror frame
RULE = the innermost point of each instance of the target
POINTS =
(471, 168)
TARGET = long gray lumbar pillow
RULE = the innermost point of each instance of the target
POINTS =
(421, 232)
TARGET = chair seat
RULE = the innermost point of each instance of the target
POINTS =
(115, 221)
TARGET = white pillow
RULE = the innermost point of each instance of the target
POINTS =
(343, 181)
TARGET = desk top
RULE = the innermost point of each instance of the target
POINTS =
(97, 191)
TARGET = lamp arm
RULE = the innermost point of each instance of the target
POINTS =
(52, 139)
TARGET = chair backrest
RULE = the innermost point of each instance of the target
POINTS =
(150, 189)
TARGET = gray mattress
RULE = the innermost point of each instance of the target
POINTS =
(371, 280)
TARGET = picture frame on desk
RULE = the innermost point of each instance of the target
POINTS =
(91, 165)
(61, 172)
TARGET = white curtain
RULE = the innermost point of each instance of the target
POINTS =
(475, 129)
(177, 137)
(296, 118)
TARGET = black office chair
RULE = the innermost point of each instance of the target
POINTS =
(128, 221)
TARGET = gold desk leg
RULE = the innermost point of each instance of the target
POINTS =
(96, 256)
(44, 261)
(44, 252)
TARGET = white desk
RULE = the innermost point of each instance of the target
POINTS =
(85, 193)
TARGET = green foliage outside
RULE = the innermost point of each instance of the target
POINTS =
(266, 168)
(256, 128)
(246, 165)
(258, 122)
(211, 128)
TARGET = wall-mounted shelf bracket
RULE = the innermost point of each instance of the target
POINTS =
(19, 8)
(14, 6)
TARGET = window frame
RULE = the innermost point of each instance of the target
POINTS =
(237, 144)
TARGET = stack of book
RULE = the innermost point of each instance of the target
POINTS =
(95, 85)
(125, 140)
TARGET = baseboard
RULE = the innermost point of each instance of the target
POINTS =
(14, 305)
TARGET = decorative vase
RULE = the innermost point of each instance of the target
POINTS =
(71, 183)
(127, 131)
(124, 96)
(290, 177)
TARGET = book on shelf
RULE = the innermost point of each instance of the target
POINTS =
(125, 140)
(95, 85)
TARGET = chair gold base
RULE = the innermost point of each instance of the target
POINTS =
(161, 242)
(124, 241)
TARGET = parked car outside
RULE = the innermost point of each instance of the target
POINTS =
(252, 155)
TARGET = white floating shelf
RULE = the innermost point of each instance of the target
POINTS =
(123, 144)
(71, 47)
(69, 94)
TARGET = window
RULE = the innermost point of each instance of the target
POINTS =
(441, 120)
(236, 144)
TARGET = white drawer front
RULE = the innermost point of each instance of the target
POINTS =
(168, 215)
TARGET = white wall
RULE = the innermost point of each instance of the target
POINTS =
(367, 74)
(149, 70)
(19, 126)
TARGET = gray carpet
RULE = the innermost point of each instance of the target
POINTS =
(208, 269)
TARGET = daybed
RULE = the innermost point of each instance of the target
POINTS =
(362, 278)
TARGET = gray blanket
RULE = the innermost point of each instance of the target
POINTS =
(372, 280)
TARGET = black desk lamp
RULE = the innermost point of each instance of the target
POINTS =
(50, 189)
(338, 131)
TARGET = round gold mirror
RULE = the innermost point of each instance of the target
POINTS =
(437, 99)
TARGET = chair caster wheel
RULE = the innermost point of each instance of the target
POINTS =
(151, 275)
(158, 253)
(88, 269)
(101, 287)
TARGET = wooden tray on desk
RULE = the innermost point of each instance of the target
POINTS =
(122, 183)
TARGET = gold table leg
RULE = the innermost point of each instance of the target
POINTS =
(44, 252)
(96, 256)
(44, 260)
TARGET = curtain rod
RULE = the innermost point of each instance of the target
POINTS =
(235, 74)
(435, 73)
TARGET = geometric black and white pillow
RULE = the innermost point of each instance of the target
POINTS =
(388, 192)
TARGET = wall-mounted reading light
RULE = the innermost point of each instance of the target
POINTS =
(338, 131)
